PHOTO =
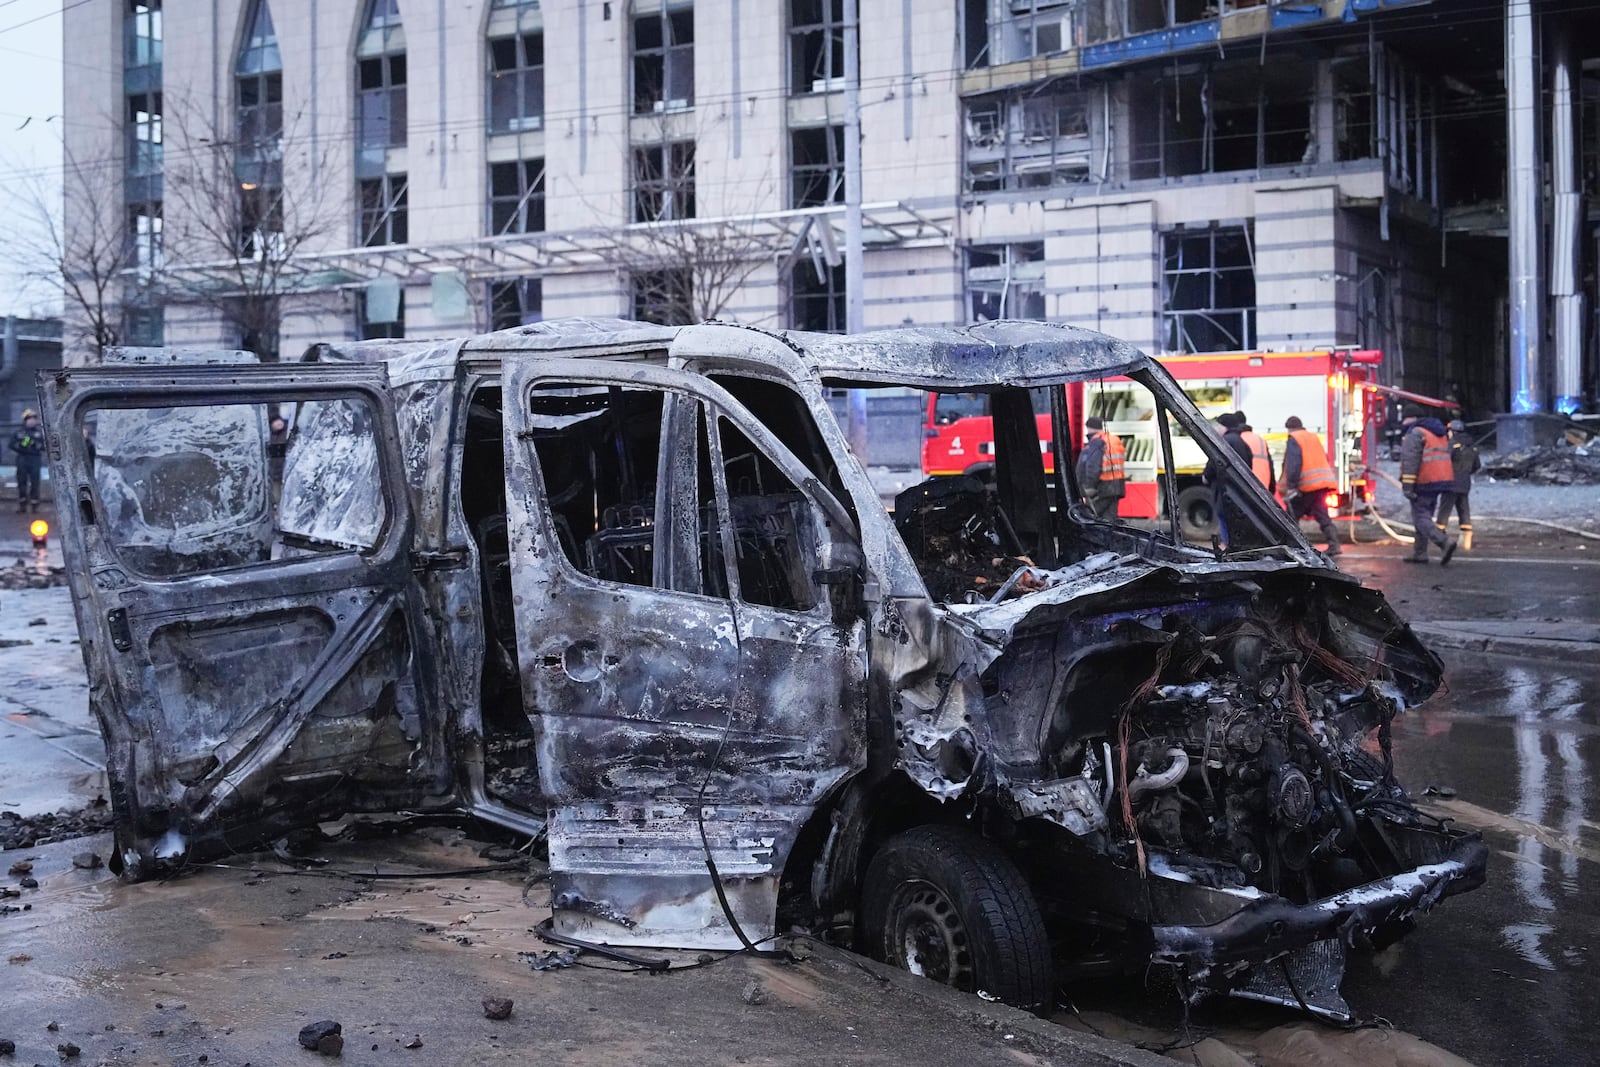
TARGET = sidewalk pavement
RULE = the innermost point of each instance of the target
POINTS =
(226, 964)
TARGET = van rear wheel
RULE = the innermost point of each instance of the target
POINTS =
(948, 905)
(1197, 518)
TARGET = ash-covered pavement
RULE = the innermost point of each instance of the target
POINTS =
(230, 963)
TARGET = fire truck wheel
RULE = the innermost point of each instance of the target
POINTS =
(1196, 517)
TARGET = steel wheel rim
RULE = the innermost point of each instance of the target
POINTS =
(927, 937)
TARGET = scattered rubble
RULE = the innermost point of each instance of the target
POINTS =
(754, 993)
(25, 575)
(86, 861)
(18, 831)
(324, 1038)
(554, 960)
(497, 1008)
(68, 1051)
(1556, 465)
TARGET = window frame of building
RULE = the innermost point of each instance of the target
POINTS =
(516, 197)
(380, 83)
(142, 34)
(516, 82)
(662, 295)
(1005, 279)
(1209, 294)
(663, 181)
(143, 324)
(515, 302)
(1020, 141)
(1228, 116)
(144, 134)
(260, 221)
(145, 249)
(663, 58)
(258, 99)
(379, 331)
(815, 46)
(382, 210)
(826, 293)
(816, 181)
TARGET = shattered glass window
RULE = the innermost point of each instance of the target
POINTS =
(774, 546)
(181, 490)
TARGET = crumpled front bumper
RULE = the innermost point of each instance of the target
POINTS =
(1266, 927)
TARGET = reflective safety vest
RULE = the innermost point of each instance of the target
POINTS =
(1113, 459)
(1436, 465)
(1315, 470)
(1260, 461)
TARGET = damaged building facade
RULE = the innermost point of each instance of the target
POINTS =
(1186, 176)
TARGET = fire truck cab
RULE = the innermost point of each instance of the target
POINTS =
(1326, 388)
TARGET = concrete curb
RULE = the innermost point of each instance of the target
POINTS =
(1028, 1031)
(1562, 650)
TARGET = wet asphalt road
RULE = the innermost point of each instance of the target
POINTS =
(1504, 975)
(1501, 975)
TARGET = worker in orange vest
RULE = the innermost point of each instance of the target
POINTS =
(1307, 480)
(1102, 469)
(1260, 458)
(1426, 474)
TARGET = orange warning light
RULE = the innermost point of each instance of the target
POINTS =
(40, 531)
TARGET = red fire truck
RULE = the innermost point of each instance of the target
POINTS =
(1330, 389)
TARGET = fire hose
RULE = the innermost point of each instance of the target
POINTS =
(1406, 539)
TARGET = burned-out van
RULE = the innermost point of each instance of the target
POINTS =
(626, 587)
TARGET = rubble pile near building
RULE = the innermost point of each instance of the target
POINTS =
(1552, 465)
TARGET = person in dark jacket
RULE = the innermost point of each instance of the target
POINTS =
(1426, 474)
(1260, 458)
(1307, 480)
(1102, 474)
(1216, 475)
(1463, 464)
(28, 444)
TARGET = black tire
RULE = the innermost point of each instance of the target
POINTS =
(1197, 518)
(950, 906)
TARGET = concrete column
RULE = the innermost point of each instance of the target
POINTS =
(1523, 194)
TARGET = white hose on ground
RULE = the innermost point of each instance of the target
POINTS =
(1404, 539)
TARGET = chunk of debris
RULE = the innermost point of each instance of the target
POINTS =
(86, 861)
(754, 993)
(415, 1042)
(21, 867)
(28, 883)
(6, 892)
(497, 1007)
(21, 957)
(68, 1051)
(8, 1047)
(554, 960)
(325, 1037)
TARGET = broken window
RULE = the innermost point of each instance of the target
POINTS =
(663, 182)
(816, 166)
(144, 134)
(515, 302)
(774, 548)
(1005, 281)
(516, 83)
(370, 329)
(380, 85)
(144, 235)
(182, 490)
(1353, 129)
(143, 325)
(816, 297)
(1222, 117)
(261, 221)
(665, 296)
(383, 217)
(663, 59)
(1027, 141)
(258, 89)
(1208, 290)
(141, 34)
(816, 46)
(516, 197)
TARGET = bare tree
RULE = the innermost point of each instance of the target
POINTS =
(94, 262)
(683, 268)
(244, 204)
